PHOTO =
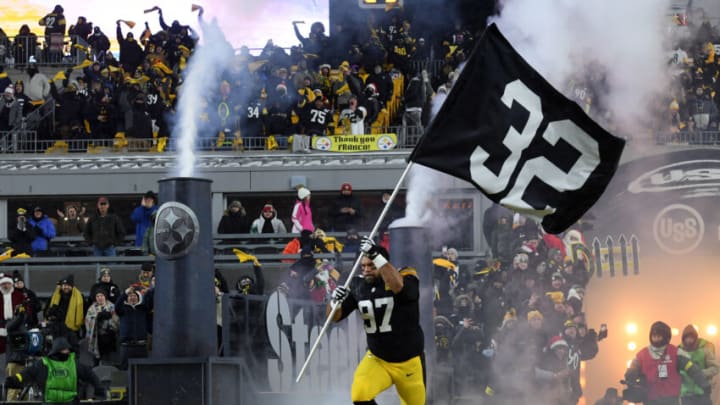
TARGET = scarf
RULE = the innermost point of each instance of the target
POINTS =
(656, 352)
(74, 316)
(267, 226)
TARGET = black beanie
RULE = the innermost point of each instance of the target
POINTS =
(661, 329)
(70, 279)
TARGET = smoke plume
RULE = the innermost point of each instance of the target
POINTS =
(204, 69)
(584, 41)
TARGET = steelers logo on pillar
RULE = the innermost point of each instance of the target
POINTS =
(176, 230)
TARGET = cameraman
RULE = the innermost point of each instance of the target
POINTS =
(660, 365)
(57, 375)
(22, 236)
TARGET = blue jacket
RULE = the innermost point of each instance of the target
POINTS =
(141, 217)
(44, 229)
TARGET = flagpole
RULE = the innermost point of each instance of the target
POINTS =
(334, 305)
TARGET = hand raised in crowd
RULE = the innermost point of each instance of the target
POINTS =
(60, 213)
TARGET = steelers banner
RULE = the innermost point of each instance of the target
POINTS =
(354, 143)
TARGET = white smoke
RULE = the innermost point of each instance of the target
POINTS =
(203, 75)
(424, 185)
(560, 37)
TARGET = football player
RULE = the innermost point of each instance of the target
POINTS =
(387, 299)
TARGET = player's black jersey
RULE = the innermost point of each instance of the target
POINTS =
(316, 120)
(392, 322)
(251, 120)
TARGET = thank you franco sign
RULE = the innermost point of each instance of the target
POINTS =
(354, 143)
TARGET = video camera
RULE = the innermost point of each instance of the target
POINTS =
(636, 391)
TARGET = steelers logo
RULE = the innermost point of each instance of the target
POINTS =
(176, 230)
(385, 142)
(323, 143)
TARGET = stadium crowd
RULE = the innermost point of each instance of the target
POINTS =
(693, 105)
(339, 84)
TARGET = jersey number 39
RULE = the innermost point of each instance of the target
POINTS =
(367, 313)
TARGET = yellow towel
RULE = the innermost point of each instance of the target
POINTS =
(83, 64)
(59, 76)
(74, 318)
(6, 254)
(245, 257)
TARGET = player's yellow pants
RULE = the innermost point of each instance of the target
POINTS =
(374, 375)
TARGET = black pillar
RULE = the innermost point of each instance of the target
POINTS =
(184, 324)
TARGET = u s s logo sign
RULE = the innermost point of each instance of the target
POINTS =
(678, 229)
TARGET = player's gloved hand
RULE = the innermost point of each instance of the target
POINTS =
(370, 249)
(340, 293)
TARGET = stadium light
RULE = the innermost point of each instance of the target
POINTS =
(632, 346)
(711, 330)
(631, 328)
(675, 331)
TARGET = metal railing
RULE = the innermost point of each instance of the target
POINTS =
(54, 49)
(42, 116)
(704, 138)
(72, 254)
(27, 142)
(18, 141)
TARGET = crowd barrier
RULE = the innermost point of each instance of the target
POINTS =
(54, 50)
(26, 141)
(704, 138)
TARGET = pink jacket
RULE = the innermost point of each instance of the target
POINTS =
(302, 217)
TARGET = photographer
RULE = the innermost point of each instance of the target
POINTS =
(22, 236)
(660, 365)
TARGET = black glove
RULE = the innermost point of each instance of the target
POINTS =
(340, 294)
(13, 382)
(368, 247)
